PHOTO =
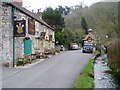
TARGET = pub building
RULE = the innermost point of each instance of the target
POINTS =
(22, 32)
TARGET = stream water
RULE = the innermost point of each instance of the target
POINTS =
(102, 79)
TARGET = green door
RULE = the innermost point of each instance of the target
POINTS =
(27, 47)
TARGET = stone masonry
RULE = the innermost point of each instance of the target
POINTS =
(6, 35)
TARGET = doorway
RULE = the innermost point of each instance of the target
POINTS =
(27, 46)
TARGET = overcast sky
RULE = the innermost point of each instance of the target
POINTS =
(36, 4)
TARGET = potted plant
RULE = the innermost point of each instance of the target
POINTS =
(26, 38)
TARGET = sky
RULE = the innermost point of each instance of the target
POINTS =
(37, 4)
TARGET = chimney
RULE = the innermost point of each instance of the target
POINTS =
(39, 14)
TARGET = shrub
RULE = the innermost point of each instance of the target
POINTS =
(114, 54)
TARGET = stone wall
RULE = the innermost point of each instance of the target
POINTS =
(19, 41)
(1, 12)
(7, 36)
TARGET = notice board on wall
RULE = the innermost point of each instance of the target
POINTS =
(31, 26)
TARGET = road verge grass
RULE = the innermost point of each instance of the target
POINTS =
(86, 79)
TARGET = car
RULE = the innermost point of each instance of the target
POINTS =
(73, 46)
(88, 47)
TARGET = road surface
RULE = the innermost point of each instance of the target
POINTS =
(59, 71)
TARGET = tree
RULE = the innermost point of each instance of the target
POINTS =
(84, 25)
(53, 18)
(61, 9)
(67, 10)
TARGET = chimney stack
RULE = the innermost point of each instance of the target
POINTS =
(39, 13)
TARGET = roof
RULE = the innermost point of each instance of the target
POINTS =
(27, 12)
(89, 36)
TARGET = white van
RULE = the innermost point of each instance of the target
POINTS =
(74, 46)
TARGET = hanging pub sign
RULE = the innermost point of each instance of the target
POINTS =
(31, 26)
(20, 28)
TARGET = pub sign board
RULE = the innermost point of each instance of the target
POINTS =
(20, 28)
(31, 26)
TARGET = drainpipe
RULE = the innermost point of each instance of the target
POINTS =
(14, 61)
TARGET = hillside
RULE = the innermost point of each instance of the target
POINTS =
(103, 19)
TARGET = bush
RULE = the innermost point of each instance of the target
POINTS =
(114, 54)
(50, 51)
(57, 49)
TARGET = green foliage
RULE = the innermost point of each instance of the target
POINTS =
(67, 36)
(73, 21)
(114, 54)
(60, 37)
(63, 10)
(101, 17)
(84, 25)
(96, 53)
(85, 80)
(63, 36)
(53, 18)
(89, 68)
(104, 20)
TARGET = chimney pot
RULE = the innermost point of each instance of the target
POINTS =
(39, 13)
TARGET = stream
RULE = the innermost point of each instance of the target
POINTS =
(102, 79)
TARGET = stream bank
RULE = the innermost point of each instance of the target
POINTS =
(102, 79)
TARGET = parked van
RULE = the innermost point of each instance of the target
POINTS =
(88, 47)
(73, 46)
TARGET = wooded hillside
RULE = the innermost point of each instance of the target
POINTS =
(103, 19)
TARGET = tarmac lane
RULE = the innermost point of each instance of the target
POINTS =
(59, 71)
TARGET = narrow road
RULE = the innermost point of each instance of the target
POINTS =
(59, 71)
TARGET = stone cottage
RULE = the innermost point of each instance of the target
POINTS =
(22, 32)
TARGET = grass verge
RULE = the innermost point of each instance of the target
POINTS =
(86, 80)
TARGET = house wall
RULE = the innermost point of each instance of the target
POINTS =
(19, 41)
(1, 12)
(6, 36)
(38, 42)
